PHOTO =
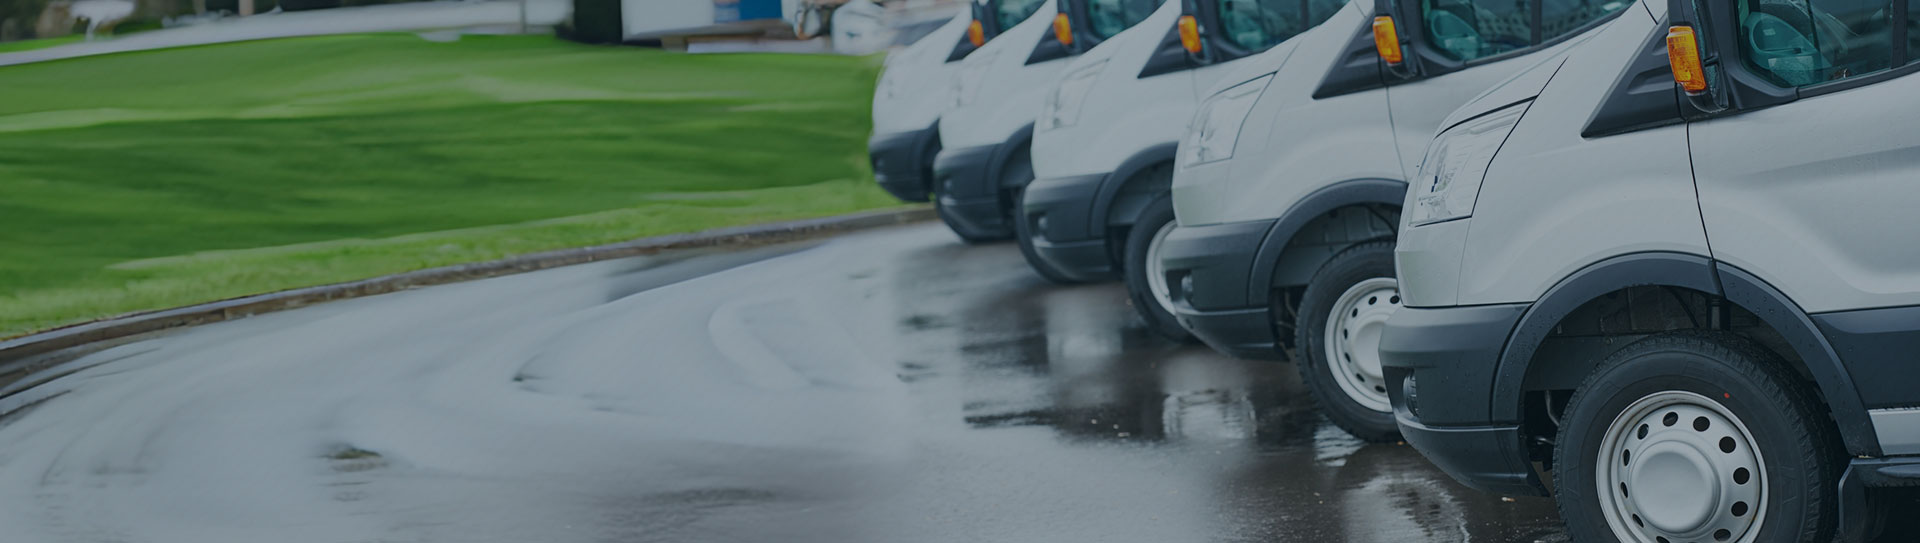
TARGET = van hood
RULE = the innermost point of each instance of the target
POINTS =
(1523, 86)
(1265, 63)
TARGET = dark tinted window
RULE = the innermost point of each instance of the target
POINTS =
(1255, 25)
(1803, 42)
(1109, 17)
(1319, 10)
(1562, 17)
(1471, 29)
(1010, 12)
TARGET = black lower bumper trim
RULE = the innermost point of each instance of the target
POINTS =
(1066, 234)
(1242, 333)
(1488, 458)
(1209, 268)
(1440, 366)
(903, 162)
(969, 194)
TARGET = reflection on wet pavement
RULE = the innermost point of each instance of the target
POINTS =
(1074, 362)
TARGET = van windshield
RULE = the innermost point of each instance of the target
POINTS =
(1471, 29)
(1474, 29)
(1255, 25)
(1109, 17)
(1010, 12)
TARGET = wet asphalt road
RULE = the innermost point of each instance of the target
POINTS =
(894, 385)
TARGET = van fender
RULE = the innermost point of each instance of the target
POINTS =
(1004, 153)
(1345, 193)
(1695, 272)
(1104, 212)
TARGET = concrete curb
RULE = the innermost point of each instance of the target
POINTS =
(19, 357)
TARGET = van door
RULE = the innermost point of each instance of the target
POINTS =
(1819, 196)
(1471, 45)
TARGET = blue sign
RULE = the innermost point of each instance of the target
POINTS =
(730, 11)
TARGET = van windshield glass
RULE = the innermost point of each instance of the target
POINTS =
(1010, 12)
(1255, 25)
(1109, 17)
(1562, 17)
(1472, 29)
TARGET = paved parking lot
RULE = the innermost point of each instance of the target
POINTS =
(893, 385)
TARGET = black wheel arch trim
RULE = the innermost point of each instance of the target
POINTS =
(1328, 198)
(997, 165)
(1816, 352)
(1116, 181)
(1684, 270)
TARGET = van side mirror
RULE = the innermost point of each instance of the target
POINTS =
(1703, 37)
(1690, 73)
(1387, 44)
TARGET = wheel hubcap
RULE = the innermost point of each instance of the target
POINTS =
(1679, 467)
(1353, 340)
(1156, 271)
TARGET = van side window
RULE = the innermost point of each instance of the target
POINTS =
(1796, 43)
(1010, 12)
(1913, 30)
(1471, 29)
(1109, 17)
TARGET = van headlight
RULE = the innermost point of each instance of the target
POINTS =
(966, 80)
(1062, 108)
(1216, 126)
(1456, 163)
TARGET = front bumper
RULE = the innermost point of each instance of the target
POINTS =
(1065, 233)
(1450, 356)
(1209, 268)
(903, 162)
(969, 192)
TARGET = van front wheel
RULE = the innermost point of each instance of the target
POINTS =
(1146, 277)
(1345, 308)
(1696, 436)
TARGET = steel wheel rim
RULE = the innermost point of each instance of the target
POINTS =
(1699, 475)
(1157, 271)
(1353, 340)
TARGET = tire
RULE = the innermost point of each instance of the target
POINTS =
(1023, 233)
(1749, 400)
(1349, 385)
(1138, 271)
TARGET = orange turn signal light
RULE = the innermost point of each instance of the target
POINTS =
(1683, 53)
(1386, 40)
(1063, 29)
(976, 34)
(1189, 33)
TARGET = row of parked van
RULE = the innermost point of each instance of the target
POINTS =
(1659, 257)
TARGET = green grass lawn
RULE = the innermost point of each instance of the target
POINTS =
(42, 43)
(148, 180)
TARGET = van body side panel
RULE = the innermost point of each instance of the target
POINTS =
(1554, 202)
(1827, 216)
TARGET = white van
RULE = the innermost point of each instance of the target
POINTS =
(996, 95)
(1681, 272)
(1104, 144)
(1288, 186)
(914, 88)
